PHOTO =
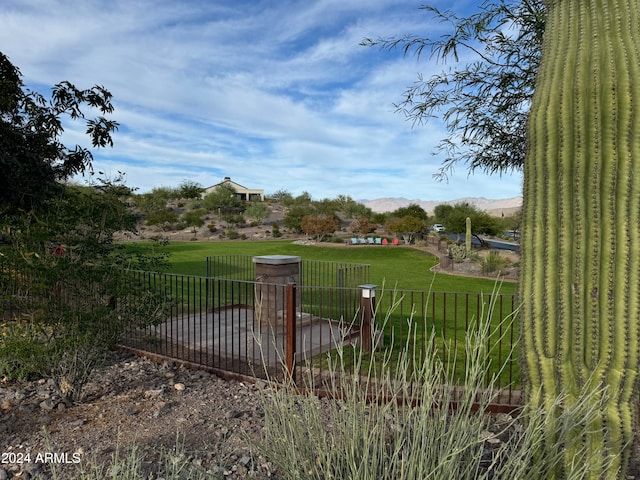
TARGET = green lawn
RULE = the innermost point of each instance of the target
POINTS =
(440, 301)
(400, 267)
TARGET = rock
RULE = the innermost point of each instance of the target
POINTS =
(152, 393)
(77, 423)
(179, 387)
(44, 420)
(233, 414)
(47, 405)
(32, 469)
(3, 474)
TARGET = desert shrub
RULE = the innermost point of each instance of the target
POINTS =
(164, 218)
(20, 355)
(398, 424)
(70, 316)
(231, 233)
(70, 292)
(135, 463)
(494, 263)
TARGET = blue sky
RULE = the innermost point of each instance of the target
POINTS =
(274, 94)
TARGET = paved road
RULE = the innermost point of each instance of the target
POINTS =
(495, 244)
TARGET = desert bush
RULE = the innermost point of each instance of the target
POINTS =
(398, 423)
(20, 355)
(135, 463)
(70, 315)
(72, 296)
(231, 233)
(494, 263)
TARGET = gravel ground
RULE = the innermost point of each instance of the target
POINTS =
(134, 401)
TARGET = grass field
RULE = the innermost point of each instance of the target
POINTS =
(449, 304)
(394, 267)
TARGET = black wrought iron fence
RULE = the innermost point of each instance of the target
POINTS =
(312, 272)
(270, 330)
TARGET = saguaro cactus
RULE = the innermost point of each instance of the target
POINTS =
(580, 269)
(467, 240)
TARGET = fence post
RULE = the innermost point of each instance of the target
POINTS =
(367, 314)
(290, 342)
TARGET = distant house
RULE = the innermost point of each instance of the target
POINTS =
(244, 193)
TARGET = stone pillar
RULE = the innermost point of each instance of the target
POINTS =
(271, 272)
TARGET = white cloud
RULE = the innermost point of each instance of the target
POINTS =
(274, 94)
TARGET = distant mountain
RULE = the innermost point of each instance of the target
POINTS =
(493, 206)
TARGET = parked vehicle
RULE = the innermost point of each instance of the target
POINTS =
(438, 228)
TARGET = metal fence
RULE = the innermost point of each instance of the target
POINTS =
(240, 328)
(312, 272)
(243, 328)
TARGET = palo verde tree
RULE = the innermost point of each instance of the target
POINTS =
(484, 102)
(454, 218)
(580, 217)
(581, 230)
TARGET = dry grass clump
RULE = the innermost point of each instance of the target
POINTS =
(400, 422)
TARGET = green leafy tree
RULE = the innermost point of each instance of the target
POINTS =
(380, 217)
(512, 222)
(194, 219)
(326, 206)
(454, 218)
(223, 199)
(75, 297)
(281, 196)
(33, 161)
(411, 210)
(62, 274)
(293, 217)
(189, 190)
(580, 245)
(154, 200)
(258, 211)
(441, 212)
(352, 209)
(303, 199)
(407, 227)
(484, 102)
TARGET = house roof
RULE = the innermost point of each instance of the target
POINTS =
(239, 188)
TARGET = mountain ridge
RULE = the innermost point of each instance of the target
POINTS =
(493, 206)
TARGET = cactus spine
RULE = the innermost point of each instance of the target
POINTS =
(580, 275)
(468, 236)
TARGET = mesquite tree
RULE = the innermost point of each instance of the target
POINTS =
(580, 279)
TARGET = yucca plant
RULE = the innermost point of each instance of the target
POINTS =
(580, 282)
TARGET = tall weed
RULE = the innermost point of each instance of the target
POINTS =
(405, 418)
